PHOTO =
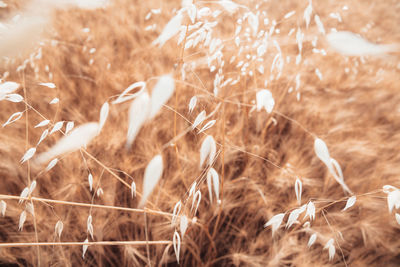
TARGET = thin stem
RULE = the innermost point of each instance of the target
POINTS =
(28, 162)
(296, 122)
(175, 113)
(346, 198)
(88, 205)
(106, 168)
(341, 251)
(26, 126)
(98, 243)
(223, 152)
(147, 238)
(222, 171)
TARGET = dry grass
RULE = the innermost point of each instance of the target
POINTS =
(260, 155)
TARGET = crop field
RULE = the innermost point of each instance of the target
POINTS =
(199, 133)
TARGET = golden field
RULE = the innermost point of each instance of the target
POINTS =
(69, 60)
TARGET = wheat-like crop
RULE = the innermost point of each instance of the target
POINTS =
(199, 133)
